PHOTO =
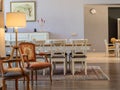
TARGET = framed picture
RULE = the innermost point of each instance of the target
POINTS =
(1, 3)
(28, 7)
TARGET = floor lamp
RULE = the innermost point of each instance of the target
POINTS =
(15, 20)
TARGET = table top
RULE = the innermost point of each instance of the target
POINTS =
(48, 44)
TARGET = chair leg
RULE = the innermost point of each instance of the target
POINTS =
(54, 64)
(51, 68)
(28, 81)
(64, 67)
(83, 65)
(36, 76)
(3, 85)
(16, 84)
(73, 68)
(43, 72)
(70, 65)
(85, 68)
(70, 62)
(32, 77)
(50, 73)
(24, 80)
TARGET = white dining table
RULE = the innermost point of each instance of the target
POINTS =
(68, 47)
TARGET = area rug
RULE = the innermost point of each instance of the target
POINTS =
(93, 73)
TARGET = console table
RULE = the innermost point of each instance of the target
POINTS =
(27, 36)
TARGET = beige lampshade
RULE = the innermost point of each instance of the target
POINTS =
(1, 20)
(15, 19)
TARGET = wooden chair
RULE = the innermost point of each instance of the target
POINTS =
(12, 69)
(28, 55)
(40, 47)
(110, 48)
(40, 44)
(58, 54)
(78, 54)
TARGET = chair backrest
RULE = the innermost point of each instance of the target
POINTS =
(113, 40)
(40, 45)
(28, 48)
(80, 41)
(58, 48)
(40, 42)
(79, 47)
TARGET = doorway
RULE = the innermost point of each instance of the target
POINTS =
(113, 15)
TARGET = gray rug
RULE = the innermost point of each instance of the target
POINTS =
(93, 73)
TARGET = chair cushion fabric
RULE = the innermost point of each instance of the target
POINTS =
(76, 53)
(15, 72)
(58, 57)
(80, 56)
(28, 49)
(39, 65)
(111, 47)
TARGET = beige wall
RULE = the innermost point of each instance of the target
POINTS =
(2, 42)
(96, 26)
(2, 34)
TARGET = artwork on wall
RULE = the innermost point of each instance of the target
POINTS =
(28, 7)
(0, 5)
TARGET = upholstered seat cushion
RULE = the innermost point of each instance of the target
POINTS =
(58, 56)
(12, 74)
(111, 47)
(80, 56)
(39, 65)
(15, 72)
(59, 53)
(76, 53)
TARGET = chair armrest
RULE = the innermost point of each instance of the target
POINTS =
(41, 53)
(24, 54)
(44, 54)
(18, 61)
(46, 58)
(10, 61)
(1, 69)
(4, 58)
(18, 64)
(25, 60)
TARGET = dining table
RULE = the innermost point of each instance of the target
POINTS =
(68, 46)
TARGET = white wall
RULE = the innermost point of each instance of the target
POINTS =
(63, 17)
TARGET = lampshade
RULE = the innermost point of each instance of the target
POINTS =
(1, 20)
(15, 19)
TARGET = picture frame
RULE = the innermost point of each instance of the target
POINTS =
(1, 5)
(28, 7)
